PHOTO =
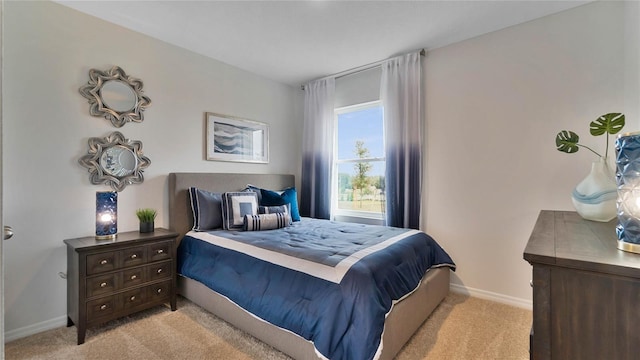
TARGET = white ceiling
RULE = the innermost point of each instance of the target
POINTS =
(296, 41)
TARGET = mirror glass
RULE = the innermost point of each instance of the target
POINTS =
(115, 96)
(118, 96)
(115, 160)
(118, 161)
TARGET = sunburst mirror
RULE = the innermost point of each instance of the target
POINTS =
(115, 96)
(115, 161)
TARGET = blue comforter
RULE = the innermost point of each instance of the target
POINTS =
(331, 283)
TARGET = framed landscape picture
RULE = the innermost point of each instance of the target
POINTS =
(234, 139)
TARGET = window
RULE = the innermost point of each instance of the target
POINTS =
(359, 164)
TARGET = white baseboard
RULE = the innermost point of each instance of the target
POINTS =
(35, 328)
(488, 295)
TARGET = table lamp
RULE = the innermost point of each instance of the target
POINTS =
(106, 215)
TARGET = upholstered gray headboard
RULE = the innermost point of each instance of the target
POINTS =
(180, 214)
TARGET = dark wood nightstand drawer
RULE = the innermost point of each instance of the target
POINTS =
(159, 291)
(98, 263)
(159, 271)
(101, 307)
(132, 298)
(133, 256)
(100, 285)
(132, 277)
(160, 251)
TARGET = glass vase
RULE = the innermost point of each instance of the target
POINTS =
(595, 196)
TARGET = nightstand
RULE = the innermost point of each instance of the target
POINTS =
(108, 279)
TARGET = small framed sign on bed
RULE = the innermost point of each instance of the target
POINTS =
(234, 139)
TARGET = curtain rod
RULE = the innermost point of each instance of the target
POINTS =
(358, 69)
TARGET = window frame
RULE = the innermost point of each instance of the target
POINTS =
(335, 211)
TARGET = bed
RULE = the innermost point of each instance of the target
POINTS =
(404, 318)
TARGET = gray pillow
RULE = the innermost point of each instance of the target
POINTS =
(207, 209)
(254, 189)
(284, 209)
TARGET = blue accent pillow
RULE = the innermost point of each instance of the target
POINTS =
(286, 196)
(235, 205)
(207, 209)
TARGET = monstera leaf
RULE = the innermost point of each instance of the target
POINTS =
(567, 141)
(610, 124)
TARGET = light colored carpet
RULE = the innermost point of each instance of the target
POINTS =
(460, 328)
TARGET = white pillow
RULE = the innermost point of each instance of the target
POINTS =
(235, 205)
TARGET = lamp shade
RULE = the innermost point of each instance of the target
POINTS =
(106, 214)
(628, 181)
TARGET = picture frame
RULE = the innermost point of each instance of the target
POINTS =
(231, 138)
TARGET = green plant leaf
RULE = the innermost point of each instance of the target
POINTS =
(610, 123)
(567, 141)
(146, 215)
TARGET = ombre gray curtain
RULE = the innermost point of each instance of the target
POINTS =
(400, 92)
(317, 149)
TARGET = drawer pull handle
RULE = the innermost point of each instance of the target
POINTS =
(159, 291)
(103, 262)
(134, 256)
(132, 298)
(104, 284)
(103, 306)
(531, 283)
(133, 277)
(159, 271)
(160, 251)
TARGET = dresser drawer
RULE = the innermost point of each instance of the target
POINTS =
(160, 250)
(132, 277)
(98, 263)
(132, 298)
(100, 285)
(101, 307)
(159, 292)
(107, 261)
(159, 271)
(133, 256)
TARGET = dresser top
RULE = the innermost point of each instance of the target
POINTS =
(124, 238)
(563, 238)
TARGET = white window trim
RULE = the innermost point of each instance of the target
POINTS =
(334, 177)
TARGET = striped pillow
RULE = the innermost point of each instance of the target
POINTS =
(275, 209)
(206, 208)
(266, 221)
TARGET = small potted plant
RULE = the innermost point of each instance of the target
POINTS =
(146, 217)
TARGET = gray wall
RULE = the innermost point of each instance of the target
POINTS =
(358, 88)
(49, 50)
(493, 107)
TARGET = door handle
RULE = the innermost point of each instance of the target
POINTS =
(8, 232)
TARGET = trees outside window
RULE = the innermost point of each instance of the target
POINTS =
(360, 162)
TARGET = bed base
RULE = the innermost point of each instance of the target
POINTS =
(401, 323)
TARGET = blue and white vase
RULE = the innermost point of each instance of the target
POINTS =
(595, 196)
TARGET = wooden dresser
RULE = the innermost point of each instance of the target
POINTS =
(108, 279)
(586, 292)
